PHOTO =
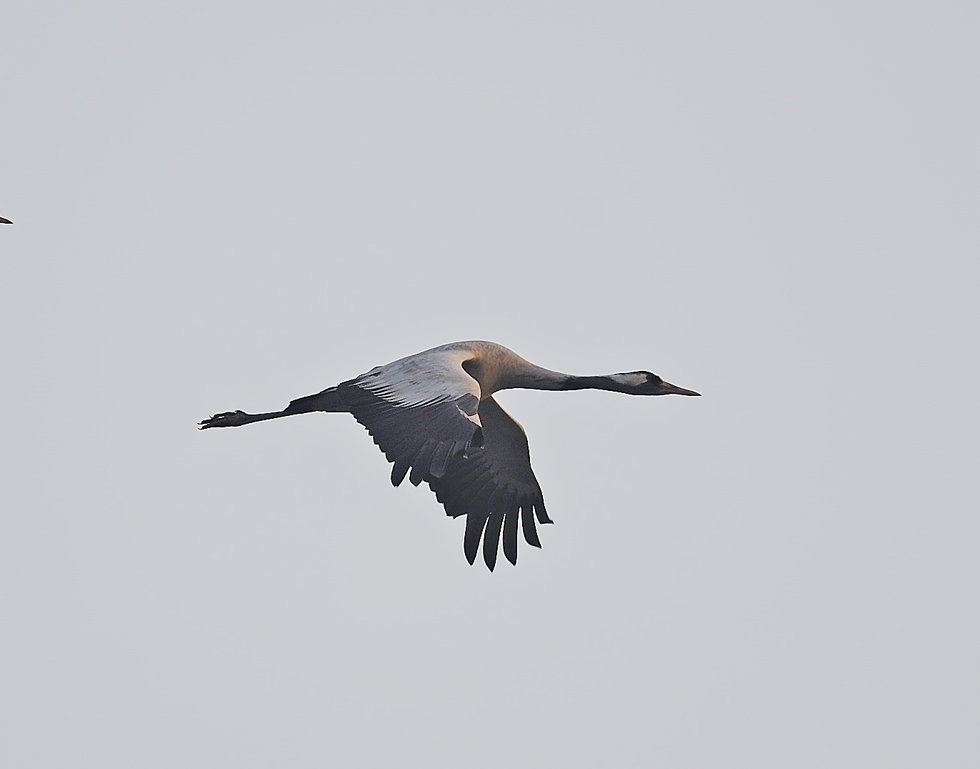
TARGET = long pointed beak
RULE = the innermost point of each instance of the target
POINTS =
(668, 389)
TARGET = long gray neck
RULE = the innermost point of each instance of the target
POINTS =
(611, 382)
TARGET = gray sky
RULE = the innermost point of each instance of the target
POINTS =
(224, 206)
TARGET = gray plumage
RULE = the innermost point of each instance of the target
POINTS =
(433, 416)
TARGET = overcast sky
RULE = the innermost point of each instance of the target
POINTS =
(221, 206)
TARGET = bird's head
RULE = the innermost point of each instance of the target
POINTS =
(647, 383)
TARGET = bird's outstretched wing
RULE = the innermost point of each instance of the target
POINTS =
(493, 488)
(421, 412)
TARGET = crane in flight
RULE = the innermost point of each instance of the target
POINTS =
(434, 417)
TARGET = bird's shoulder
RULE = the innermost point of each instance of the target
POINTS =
(424, 378)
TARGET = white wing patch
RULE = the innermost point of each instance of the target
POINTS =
(424, 380)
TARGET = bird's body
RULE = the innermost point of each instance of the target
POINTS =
(434, 417)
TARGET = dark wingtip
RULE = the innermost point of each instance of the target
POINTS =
(542, 513)
(527, 521)
(398, 473)
(491, 539)
(511, 524)
(471, 537)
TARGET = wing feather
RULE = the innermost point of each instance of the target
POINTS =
(471, 538)
(527, 521)
(493, 488)
(416, 411)
(510, 534)
(491, 539)
(422, 462)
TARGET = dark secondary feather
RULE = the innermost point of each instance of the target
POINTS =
(494, 488)
(421, 437)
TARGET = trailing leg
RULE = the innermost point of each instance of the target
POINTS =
(327, 400)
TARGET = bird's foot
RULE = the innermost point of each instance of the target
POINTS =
(224, 419)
